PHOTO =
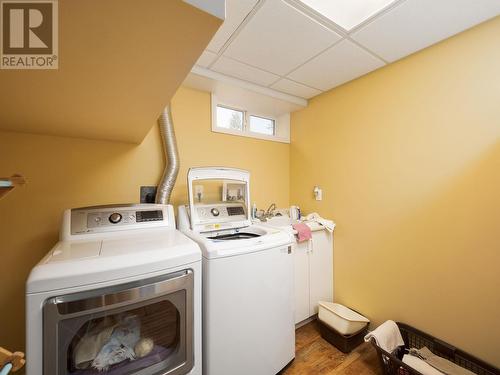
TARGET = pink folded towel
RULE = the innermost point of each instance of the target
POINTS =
(303, 232)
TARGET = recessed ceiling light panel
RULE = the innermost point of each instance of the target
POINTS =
(347, 13)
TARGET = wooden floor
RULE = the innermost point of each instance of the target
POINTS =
(313, 355)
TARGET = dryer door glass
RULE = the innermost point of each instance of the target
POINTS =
(144, 329)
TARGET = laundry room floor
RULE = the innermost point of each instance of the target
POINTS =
(316, 356)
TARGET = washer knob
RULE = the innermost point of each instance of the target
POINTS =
(115, 218)
(215, 212)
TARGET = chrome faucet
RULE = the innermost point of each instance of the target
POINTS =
(270, 210)
(267, 214)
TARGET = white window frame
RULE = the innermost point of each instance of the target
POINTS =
(282, 136)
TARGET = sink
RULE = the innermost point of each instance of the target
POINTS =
(285, 222)
(280, 221)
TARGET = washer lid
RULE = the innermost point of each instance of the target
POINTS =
(78, 263)
(219, 198)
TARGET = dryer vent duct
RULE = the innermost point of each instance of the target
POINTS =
(171, 157)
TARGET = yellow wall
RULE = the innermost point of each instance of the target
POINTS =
(409, 160)
(68, 172)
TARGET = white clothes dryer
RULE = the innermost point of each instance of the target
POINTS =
(120, 292)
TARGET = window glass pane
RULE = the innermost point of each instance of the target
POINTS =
(262, 125)
(229, 118)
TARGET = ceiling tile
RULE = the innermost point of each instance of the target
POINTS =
(416, 24)
(206, 59)
(294, 88)
(236, 11)
(239, 70)
(341, 63)
(279, 38)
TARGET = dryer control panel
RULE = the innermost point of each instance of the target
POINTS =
(102, 219)
(120, 217)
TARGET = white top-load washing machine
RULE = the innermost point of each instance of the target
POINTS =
(119, 293)
(248, 303)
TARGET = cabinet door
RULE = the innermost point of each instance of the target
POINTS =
(301, 260)
(320, 269)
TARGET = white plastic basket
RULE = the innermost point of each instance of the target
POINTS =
(341, 318)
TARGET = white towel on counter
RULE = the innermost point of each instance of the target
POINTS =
(420, 365)
(328, 224)
(387, 336)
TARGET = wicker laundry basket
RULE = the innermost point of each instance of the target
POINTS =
(413, 338)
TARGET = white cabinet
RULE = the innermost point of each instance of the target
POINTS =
(313, 274)
(320, 269)
(301, 259)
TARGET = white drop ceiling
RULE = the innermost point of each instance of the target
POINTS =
(348, 13)
(303, 48)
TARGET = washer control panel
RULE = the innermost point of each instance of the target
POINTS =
(105, 219)
(220, 212)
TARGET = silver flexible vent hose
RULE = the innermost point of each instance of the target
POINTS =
(167, 182)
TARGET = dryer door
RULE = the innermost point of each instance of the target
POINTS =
(145, 327)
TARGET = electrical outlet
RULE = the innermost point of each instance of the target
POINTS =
(148, 194)
(318, 193)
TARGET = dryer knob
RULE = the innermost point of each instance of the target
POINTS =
(215, 212)
(115, 218)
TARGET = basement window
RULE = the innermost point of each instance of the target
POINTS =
(262, 125)
(249, 122)
(228, 118)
